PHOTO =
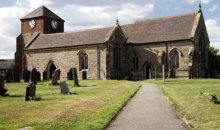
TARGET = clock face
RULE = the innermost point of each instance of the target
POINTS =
(54, 24)
(32, 23)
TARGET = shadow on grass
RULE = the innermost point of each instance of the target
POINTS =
(16, 96)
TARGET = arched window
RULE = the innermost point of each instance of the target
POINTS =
(174, 59)
(135, 61)
(83, 61)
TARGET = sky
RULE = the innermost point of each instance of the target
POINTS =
(84, 14)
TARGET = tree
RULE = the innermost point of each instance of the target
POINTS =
(214, 61)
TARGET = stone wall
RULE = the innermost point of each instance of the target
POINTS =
(66, 58)
(148, 55)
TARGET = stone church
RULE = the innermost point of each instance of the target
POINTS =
(180, 43)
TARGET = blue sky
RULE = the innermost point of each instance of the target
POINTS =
(83, 14)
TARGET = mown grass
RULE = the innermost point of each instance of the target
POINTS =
(93, 107)
(199, 112)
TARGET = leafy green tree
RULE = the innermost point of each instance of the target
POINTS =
(215, 59)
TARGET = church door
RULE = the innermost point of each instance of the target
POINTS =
(52, 69)
(148, 72)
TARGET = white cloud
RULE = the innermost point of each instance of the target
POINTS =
(213, 8)
(214, 32)
(76, 17)
(96, 16)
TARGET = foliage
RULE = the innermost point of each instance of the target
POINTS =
(93, 107)
(126, 75)
(215, 55)
(200, 113)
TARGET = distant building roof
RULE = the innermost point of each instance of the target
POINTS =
(142, 31)
(6, 64)
(41, 11)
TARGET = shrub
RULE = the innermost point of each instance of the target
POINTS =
(126, 75)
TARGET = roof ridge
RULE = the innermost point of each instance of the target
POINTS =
(84, 30)
(167, 17)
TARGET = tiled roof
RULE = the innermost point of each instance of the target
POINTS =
(86, 37)
(6, 63)
(142, 31)
(41, 11)
(160, 29)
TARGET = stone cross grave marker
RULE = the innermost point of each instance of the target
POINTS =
(64, 88)
(55, 77)
(75, 78)
(27, 76)
(30, 91)
(34, 76)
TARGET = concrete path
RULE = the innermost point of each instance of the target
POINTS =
(147, 110)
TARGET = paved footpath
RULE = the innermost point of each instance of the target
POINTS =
(147, 110)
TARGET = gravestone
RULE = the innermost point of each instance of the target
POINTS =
(30, 91)
(24, 73)
(9, 76)
(34, 76)
(70, 75)
(55, 77)
(38, 76)
(58, 74)
(16, 74)
(3, 89)
(27, 76)
(64, 88)
(45, 75)
(75, 78)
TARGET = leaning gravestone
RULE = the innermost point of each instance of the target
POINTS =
(3, 89)
(45, 75)
(75, 78)
(55, 77)
(30, 92)
(34, 76)
(27, 76)
(38, 76)
(64, 88)
(70, 75)
(9, 76)
(16, 74)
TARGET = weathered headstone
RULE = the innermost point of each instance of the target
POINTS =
(16, 74)
(55, 77)
(3, 89)
(30, 91)
(75, 78)
(45, 75)
(70, 75)
(64, 88)
(27, 76)
(9, 76)
(59, 74)
(38, 76)
(24, 74)
(34, 76)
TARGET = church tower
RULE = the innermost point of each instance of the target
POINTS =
(39, 21)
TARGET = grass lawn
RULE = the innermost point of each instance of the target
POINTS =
(94, 105)
(185, 95)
